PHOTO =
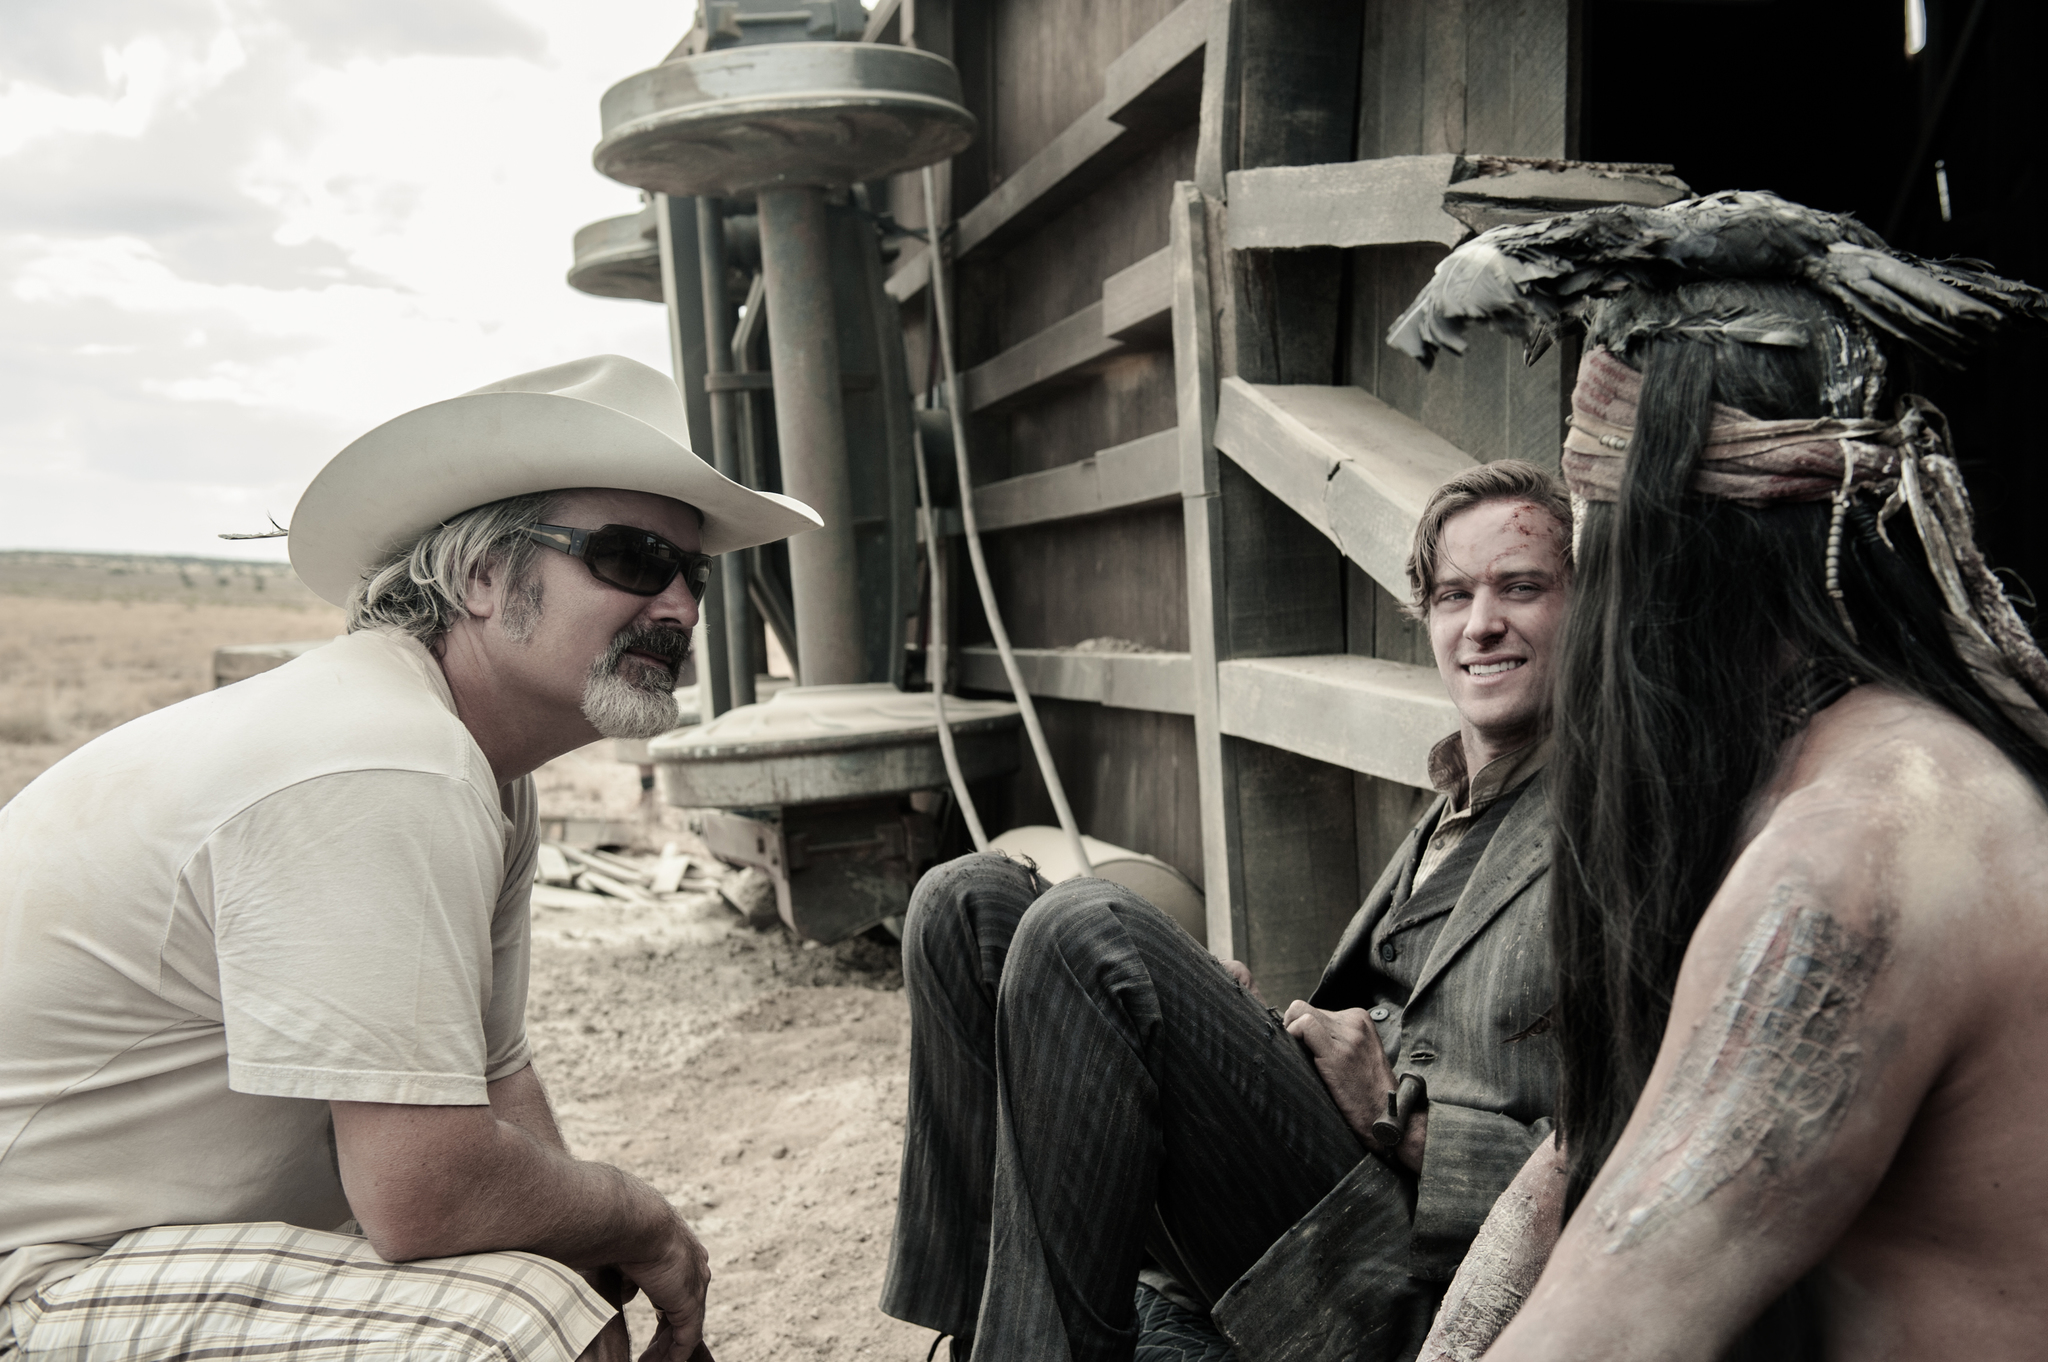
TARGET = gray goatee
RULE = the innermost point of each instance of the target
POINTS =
(635, 699)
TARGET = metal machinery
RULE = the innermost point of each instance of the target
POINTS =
(754, 139)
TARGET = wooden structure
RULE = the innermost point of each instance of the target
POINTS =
(1178, 243)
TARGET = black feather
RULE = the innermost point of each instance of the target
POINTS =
(1529, 279)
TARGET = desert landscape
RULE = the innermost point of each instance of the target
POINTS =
(758, 1082)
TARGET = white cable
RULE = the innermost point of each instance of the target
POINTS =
(988, 596)
(935, 651)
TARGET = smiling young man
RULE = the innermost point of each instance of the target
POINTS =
(1089, 1085)
(264, 1080)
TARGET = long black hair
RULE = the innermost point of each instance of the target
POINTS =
(1700, 632)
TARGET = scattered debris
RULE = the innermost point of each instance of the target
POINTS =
(567, 876)
(670, 869)
(547, 895)
(551, 866)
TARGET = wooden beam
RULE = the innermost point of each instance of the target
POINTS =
(1344, 461)
(1160, 682)
(1194, 381)
(1059, 351)
(1144, 85)
(1404, 200)
(1138, 299)
(1491, 191)
(1389, 202)
(1134, 474)
(1363, 713)
(1136, 304)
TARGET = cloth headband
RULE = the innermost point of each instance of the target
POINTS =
(1746, 460)
(1760, 463)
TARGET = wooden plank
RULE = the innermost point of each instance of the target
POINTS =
(1162, 683)
(1346, 462)
(1157, 80)
(1076, 160)
(1509, 191)
(1194, 365)
(1129, 774)
(1056, 352)
(1362, 713)
(1216, 148)
(1134, 474)
(1298, 81)
(1393, 201)
(1405, 200)
(1139, 298)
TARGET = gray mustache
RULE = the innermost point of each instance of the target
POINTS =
(670, 645)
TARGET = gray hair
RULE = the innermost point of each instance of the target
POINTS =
(1501, 480)
(419, 588)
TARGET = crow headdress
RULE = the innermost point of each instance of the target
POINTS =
(1532, 280)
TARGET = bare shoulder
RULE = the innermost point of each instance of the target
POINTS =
(1886, 785)
(1903, 824)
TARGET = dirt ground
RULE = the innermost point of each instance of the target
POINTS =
(758, 1083)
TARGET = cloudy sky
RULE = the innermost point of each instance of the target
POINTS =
(234, 234)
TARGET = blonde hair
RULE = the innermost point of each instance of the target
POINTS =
(419, 588)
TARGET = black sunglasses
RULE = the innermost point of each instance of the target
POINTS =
(629, 559)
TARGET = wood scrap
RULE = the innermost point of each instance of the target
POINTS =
(618, 889)
(550, 866)
(555, 896)
(614, 864)
(670, 870)
(606, 865)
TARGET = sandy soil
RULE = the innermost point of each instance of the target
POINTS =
(757, 1083)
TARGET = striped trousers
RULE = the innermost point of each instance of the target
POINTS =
(1086, 1083)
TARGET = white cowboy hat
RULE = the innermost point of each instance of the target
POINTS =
(605, 421)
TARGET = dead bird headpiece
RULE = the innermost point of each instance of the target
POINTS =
(1632, 274)
(1740, 485)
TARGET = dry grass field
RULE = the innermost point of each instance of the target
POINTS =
(757, 1082)
(88, 642)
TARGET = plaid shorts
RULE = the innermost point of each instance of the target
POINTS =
(190, 1292)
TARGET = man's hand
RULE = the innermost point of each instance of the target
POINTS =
(1347, 1054)
(675, 1284)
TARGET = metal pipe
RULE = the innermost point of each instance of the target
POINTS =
(810, 424)
(732, 577)
(676, 234)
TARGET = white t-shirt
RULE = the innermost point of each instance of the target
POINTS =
(305, 886)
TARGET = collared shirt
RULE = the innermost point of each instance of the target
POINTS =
(1471, 798)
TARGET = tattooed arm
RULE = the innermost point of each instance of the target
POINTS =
(1786, 1081)
(1504, 1261)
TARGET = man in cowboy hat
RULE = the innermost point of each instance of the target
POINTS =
(266, 950)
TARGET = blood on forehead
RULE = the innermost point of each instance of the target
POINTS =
(1502, 538)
